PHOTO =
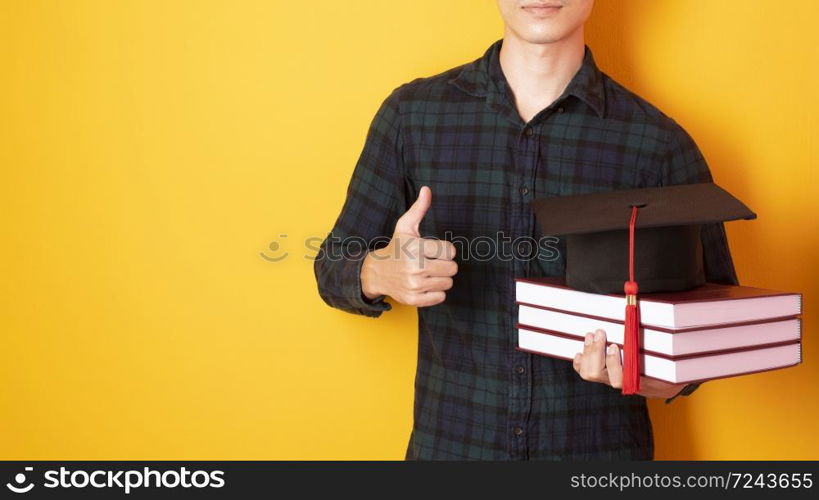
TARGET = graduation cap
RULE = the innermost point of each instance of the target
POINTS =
(639, 239)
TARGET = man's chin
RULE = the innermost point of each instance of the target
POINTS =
(538, 35)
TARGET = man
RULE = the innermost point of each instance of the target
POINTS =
(443, 184)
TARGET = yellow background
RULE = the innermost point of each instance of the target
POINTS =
(151, 151)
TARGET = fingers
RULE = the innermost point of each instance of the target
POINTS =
(428, 299)
(594, 360)
(423, 248)
(435, 267)
(436, 249)
(429, 284)
(591, 364)
(614, 366)
(437, 284)
(423, 299)
(409, 222)
(420, 251)
(426, 291)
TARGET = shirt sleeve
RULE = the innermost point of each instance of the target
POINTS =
(375, 199)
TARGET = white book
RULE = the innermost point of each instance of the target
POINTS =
(675, 370)
(667, 341)
(708, 305)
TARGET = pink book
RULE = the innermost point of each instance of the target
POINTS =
(675, 369)
(708, 305)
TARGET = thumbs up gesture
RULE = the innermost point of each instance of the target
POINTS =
(412, 270)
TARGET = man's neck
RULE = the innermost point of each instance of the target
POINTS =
(539, 73)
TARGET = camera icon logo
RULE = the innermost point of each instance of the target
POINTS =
(20, 479)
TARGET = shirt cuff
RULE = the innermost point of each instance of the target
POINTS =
(361, 304)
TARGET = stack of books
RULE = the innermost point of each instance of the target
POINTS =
(713, 331)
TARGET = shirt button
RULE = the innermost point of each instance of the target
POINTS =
(518, 431)
(524, 190)
(560, 109)
(528, 131)
(520, 369)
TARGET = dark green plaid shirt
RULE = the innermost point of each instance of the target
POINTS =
(458, 132)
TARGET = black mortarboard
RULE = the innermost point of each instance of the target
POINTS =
(667, 253)
(659, 226)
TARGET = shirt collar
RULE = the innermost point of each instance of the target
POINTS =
(484, 77)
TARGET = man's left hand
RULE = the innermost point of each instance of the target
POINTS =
(598, 364)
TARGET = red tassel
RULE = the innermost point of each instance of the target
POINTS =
(631, 344)
(631, 336)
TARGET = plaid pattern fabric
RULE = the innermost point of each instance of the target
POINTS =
(458, 132)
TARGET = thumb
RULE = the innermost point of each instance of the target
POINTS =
(409, 222)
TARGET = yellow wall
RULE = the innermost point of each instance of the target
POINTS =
(151, 150)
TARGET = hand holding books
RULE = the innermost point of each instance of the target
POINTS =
(600, 364)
